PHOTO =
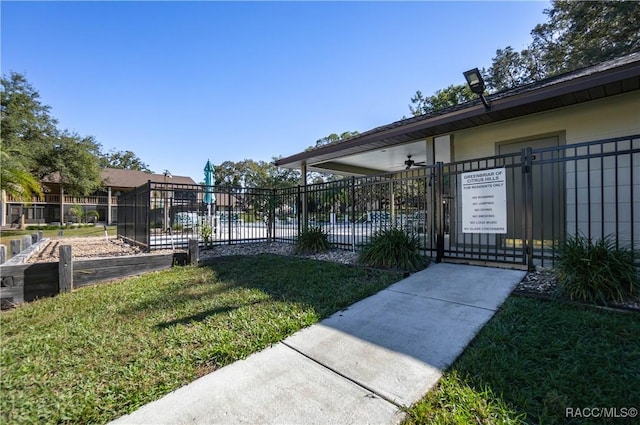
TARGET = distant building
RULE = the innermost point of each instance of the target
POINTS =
(47, 209)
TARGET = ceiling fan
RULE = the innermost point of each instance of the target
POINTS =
(410, 162)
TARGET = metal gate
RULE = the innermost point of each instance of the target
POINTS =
(453, 243)
(589, 188)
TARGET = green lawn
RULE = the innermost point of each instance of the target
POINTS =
(533, 360)
(7, 235)
(103, 351)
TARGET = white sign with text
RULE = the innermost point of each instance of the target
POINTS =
(484, 201)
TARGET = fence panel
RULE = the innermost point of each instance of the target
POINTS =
(133, 216)
(592, 189)
(491, 247)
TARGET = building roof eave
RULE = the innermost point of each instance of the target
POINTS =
(564, 90)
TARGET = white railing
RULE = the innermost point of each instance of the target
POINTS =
(79, 200)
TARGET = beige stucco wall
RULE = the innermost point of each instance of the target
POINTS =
(600, 196)
(602, 119)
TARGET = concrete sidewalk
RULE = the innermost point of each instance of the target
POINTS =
(360, 365)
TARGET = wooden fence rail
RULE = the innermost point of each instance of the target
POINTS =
(27, 282)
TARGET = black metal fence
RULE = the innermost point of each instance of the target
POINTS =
(133, 216)
(590, 188)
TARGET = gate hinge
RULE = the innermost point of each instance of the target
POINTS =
(526, 169)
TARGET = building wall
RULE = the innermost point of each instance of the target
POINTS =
(601, 119)
(601, 193)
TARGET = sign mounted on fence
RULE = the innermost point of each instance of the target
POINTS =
(484, 201)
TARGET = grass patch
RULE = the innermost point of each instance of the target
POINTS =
(101, 352)
(533, 360)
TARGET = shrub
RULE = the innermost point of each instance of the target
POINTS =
(206, 231)
(393, 248)
(312, 241)
(595, 271)
(92, 216)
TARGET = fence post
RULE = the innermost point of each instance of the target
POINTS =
(272, 204)
(298, 210)
(229, 212)
(3, 253)
(439, 209)
(16, 247)
(527, 183)
(26, 241)
(353, 214)
(194, 252)
(65, 269)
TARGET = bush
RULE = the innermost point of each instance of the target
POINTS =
(43, 227)
(312, 241)
(393, 248)
(595, 271)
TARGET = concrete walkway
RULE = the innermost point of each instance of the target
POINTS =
(360, 365)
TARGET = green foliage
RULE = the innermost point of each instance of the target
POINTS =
(257, 174)
(334, 138)
(78, 212)
(35, 146)
(583, 33)
(16, 180)
(441, 99)
(44, 227)
(576, 34)
(124, 160)
(312, 240)
(92, 216)
(595, 271)
(392, 248)
(206, 231)
(59, 364)
(75, 160)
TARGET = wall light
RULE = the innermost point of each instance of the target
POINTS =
(476, 84)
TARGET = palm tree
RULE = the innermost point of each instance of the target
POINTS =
(16, 181)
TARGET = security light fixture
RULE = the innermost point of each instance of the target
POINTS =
(476, 84)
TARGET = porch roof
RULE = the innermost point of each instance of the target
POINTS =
(609, 78)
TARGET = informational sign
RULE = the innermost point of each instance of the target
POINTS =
(484, 201)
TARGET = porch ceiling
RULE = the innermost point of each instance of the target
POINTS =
(375, 161)
(385, 148)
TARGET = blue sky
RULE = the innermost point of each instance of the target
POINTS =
(178, 83)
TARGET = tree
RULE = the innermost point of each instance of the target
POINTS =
(266, 175)
(452, 95)
(260, 174)
(577, 34)
(16, 181)
(124, 160)
(582, 33)
(333, 138)
(76, 159)
(510, 68)
(230, 173)
(28, 130)
(318, 177)
(32, 145)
